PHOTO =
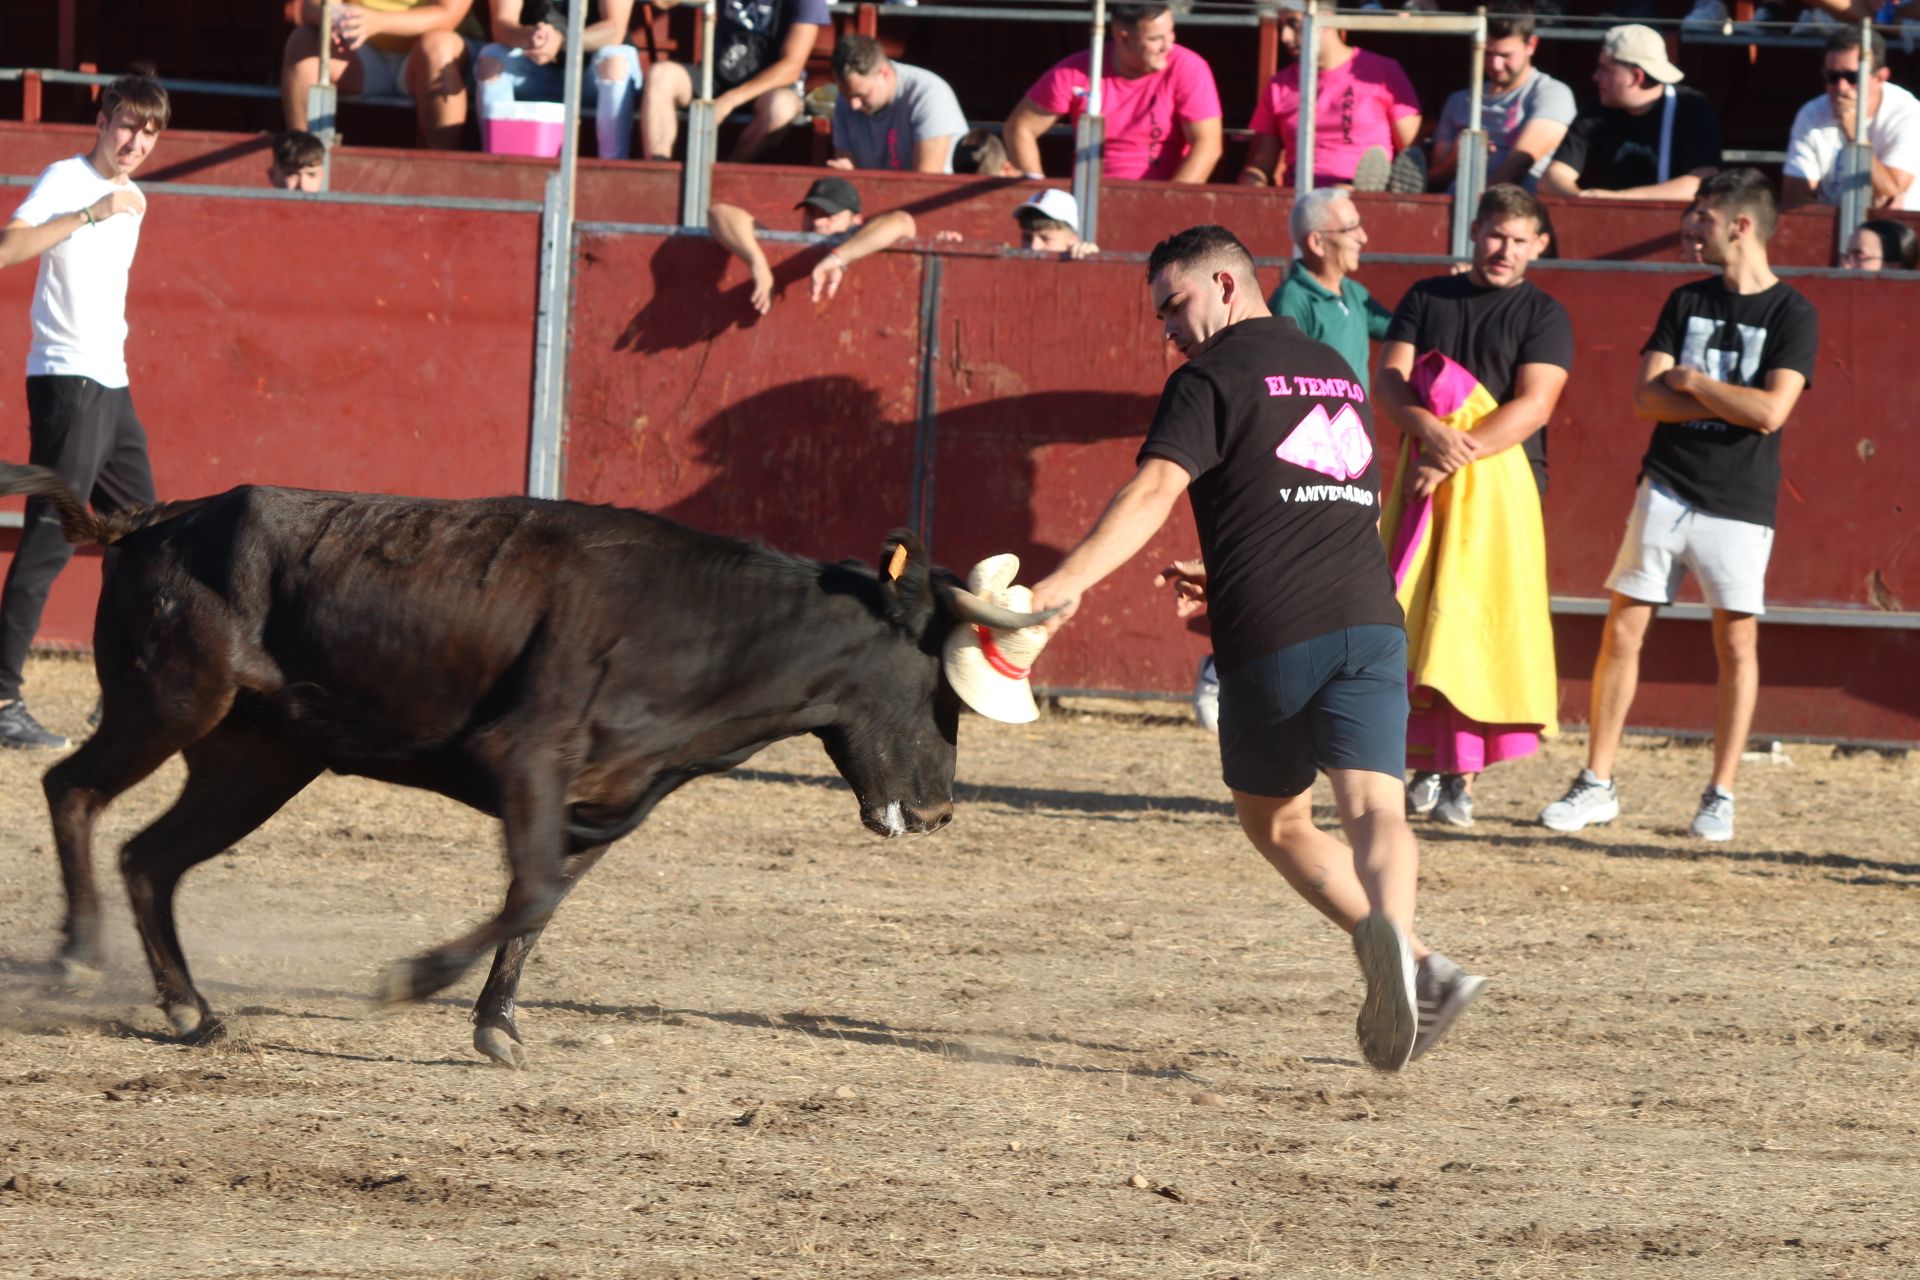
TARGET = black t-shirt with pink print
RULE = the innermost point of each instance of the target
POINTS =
(1277, 433)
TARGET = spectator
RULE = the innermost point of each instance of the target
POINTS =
(1518, 343)
(1721, 374)
(1882, 245)
(890, 115)
(1320, 294)
(1524, 111)
(299, 162)
(980, 151)
(1161, 108)
(82, 220)
(1050, 223)
(832, 214)
(1366, 116)
(1824, 130)
(385, 48)
(760, 60)
(523, 64)
(1644, 139)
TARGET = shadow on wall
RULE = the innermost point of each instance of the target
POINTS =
(681, 311)
(815, 465)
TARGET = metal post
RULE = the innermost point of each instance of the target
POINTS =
(703, 132)
(925, 451)
(323, 100)
(1470, 168)
(547, 453)
(1856, 183)
(1309, 98)
(1090, 133)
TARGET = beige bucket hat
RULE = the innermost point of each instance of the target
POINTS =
(989, 667)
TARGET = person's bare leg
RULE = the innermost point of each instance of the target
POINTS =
(773, 111)
(1616, 678)
(300, 71)
(439, 88)
(667, 89)
(1334, 878)
(1736, 643)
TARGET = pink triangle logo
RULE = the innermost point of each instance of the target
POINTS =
(1334, 446)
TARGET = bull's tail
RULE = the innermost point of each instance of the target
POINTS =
(81, 525)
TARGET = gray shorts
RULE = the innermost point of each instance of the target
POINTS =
(1666, 537)
(1337, 701)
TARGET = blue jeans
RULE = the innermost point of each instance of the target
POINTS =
(521, 79)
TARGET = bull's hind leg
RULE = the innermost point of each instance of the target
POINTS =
(494, 1033)
(236, 779)
(78, 789)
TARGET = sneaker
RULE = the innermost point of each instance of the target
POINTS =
(1588, 801)
(18, 728)
(1373, 170)
(1455, 807)
(1442, 993)
(1422, 794)
(1715, 819)
(1388, 1022)
(1408, 174)
(1706, 13)
(1206, 696)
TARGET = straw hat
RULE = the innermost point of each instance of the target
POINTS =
(988, 667)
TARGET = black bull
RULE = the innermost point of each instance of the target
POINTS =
(560, 666)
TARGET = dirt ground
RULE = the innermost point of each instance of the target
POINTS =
(767, 1044)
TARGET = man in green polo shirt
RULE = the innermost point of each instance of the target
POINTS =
(1320, 294)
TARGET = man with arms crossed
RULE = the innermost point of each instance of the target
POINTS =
(82, 220)
(1267, 433)
(1727, 361)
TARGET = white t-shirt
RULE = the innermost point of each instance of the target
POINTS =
(1815, 147)
(80, 300)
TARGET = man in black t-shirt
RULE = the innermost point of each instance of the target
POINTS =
(1646, 138)
(1270, 434)
(1518, 342)
(1724, 368)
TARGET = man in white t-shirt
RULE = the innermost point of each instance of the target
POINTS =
(1825, 128)
(82, 220)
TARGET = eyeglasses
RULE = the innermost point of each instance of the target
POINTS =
(1347, 230)
(1832, 76)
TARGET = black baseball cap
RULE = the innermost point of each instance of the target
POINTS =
(831, 195)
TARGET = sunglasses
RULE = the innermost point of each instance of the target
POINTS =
(1841, 77)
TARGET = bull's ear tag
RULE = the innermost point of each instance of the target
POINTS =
(898, 564)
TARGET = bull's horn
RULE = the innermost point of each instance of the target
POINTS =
(969, 607)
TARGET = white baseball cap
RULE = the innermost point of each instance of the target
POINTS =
(1052, 203)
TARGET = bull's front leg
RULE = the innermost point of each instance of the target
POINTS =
(533, 812)
(494, 1032)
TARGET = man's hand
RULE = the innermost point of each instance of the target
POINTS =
(543, 45)
(827, 276)
(123, 200)
(351, 27)
(1427, 478)
(762, 295)
(947, 237)
(1189, 579)
(1682, 379)
(1449, 450)
(840, 162)
(1054, 591)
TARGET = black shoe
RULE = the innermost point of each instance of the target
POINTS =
(18, 728)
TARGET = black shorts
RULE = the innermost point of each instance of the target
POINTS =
(1337, 701)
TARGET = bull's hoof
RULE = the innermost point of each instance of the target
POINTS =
(420, 977)
(501, 1045)
(77, 977)
(194, 1026)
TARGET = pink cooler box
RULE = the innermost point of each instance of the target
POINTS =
(524, 129)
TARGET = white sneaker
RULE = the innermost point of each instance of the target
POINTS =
(1442, 991)
(1456, 802)
(1588, 801)
(1206, 696)
(1388, 1023)
(1422, 794)
(1715, 819)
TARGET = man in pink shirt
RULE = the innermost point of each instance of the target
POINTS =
(1365, 104)
(1160, 104)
